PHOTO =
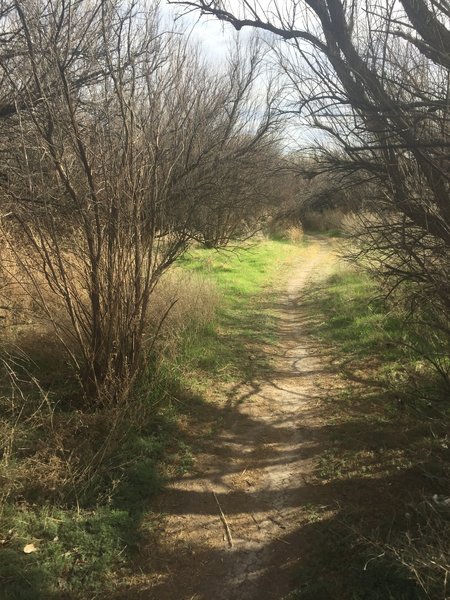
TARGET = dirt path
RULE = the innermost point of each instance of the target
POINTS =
(256, 469)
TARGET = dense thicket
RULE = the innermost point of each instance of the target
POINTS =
(119, 146)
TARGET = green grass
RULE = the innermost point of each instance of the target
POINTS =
(352, 314)
(247, 281)
(356, 317)
(75, 550)
(243, 271)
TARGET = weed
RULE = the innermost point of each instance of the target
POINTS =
(74, 550)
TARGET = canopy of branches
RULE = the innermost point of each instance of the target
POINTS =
(371, 77)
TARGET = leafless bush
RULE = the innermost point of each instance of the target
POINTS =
(120, 148)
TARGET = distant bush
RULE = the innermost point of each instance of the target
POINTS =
(324, 220)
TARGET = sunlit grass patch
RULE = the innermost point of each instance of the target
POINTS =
(355, 316)
(246, 280)
(242, 271)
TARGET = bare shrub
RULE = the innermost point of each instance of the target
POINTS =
(49, 452)
(114, 144)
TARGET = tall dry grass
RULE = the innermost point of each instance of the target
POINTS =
(423, 549)
(285, 228)
(193, 300)
(51, 446)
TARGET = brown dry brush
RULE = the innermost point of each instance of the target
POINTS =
(112, 144)
(422, 549)
(70, 458)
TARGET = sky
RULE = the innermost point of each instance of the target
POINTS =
(214, 37)
(209, 32)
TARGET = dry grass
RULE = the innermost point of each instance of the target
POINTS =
(49, 454)
(354, 223)
(21, 418)
(294, 234)
(16, 304)
(423, 548)
(24, 326)
(179, 300)
(285, 228)
(193, 299)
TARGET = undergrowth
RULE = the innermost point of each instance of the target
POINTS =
(385, 469)
(78, 484)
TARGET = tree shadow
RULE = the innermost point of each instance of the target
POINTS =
(325, 557)
(357, 487)
(367, 470)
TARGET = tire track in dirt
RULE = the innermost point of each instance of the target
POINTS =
(257, 469)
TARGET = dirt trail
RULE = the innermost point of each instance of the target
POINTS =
(257, 469)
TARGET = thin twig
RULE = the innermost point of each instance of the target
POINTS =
(224, 521)
(256, 522)
(281, 540)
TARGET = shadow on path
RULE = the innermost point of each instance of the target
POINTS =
(262, 469)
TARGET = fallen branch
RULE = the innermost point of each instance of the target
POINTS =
(281, 540)
(256, 522)
(224, 521)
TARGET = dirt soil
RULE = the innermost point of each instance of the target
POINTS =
(233, 526)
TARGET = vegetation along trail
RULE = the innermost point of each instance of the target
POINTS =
(230, 523)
